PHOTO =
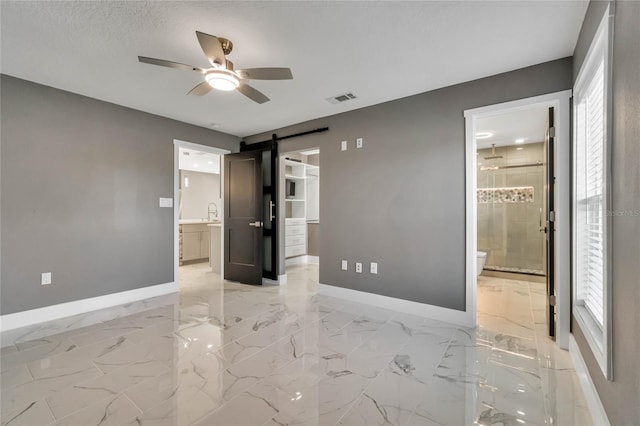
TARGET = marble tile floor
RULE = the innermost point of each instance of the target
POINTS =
(221, 353)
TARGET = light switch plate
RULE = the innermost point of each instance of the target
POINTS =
(374, 268)
(359, 143)
(345, 265)
(166, 202)
(45, 278)
(359, 267)
(343, 146)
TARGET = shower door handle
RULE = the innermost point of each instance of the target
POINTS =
(271, 206)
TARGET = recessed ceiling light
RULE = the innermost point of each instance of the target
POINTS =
(483, 135)
(195, 165)
(211, 162)
(519, 140)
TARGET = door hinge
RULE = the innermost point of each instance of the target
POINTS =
(552, 132)
(552, 216)
(552, 300)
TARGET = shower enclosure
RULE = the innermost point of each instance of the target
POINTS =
(511, 207)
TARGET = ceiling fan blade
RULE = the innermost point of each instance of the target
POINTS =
(169, 64)
(201, 89)
(266, 73)
(212, 48)
(253, 94)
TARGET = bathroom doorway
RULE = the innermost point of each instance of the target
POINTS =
(512, 201)
(514, 264)
(198, 213)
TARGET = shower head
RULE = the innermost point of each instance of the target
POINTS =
(493, 155)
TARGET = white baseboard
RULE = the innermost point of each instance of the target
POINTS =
(296, 260)
(405, 306)
(590, 393)
(49, 313)
(302, 259)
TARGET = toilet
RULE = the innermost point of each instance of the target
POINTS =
(482, 257)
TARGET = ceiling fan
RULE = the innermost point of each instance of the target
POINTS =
(222, 75)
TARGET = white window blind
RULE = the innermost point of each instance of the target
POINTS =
(591, 138)
(590, 143)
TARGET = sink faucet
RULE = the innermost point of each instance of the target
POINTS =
(212, 210)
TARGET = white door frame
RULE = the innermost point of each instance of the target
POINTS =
(177, 144)
(561, 101)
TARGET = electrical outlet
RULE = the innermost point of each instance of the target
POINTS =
(345, 265)
(45, 278)
(359, 143)
(374, 268)
(359, 267)
(344, 145)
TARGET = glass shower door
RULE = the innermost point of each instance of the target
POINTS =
(510, 196)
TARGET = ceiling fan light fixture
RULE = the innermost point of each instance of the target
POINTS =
(222, 80)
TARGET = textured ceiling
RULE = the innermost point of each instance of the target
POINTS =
(378, 50)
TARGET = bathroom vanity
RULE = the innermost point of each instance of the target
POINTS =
(194, 241)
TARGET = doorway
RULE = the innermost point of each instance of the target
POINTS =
(513, 212)
(514, 271)
(300, 196)
(198, 212)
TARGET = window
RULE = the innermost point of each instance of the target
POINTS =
(591, 137)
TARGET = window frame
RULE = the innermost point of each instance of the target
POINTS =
(598, 338)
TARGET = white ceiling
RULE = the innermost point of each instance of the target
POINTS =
(529, 124)
(378, 50)
(198, 161)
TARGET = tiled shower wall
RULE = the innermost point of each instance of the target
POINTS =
(509, 228)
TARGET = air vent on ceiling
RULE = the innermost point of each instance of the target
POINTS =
(341, 98)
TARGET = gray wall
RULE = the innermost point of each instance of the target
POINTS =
(313, 239)
(510, 232)
(621, 397)
(399, 201)
(80, 182)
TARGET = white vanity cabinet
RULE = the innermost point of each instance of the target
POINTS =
(194, 241)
